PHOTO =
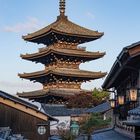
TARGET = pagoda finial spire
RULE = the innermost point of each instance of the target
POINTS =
(62, 7)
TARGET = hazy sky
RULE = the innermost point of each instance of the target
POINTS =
(118, 19)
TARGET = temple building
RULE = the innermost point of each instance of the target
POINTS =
(61, 57)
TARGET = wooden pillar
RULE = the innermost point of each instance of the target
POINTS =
(139, 87)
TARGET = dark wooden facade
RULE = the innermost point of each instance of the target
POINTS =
(125, 75)
(23, 117)
(21, 123)
(137, 131)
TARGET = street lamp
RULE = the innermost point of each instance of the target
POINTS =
(112, 103)
(74, 128)
(120, 99)
(133, 94)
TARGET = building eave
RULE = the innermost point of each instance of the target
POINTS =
(23, 106)
(63, 72)
(119, 65)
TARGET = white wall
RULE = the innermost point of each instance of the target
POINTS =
(63, 121)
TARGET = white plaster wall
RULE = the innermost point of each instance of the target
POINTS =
(62, 120)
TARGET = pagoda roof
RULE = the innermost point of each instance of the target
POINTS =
(67, 52)
(63, 72)
(63, 30)
(59, 92)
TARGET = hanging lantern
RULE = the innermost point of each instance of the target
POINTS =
(112, 103)
(42, 128)
(121, 100)
(133, 93)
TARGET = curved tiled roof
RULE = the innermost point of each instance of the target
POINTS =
(119, 67)
(99, 108)
(63, 72)
(135, 111)
(64, 27)
(61, 110)
(17, 101)
(67, 52)
(51, 92)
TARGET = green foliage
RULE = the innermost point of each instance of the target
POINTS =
(64, 132)
(66, 135)
(100, 94)
(94, 122)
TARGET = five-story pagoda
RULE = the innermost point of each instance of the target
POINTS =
(61, 56)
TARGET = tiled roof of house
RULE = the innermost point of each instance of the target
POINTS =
(135, 111)
(61, 110)
(6, 134)
(121, 66)
(16, 99)
(24, 106)
(110, 135)
(100, 108)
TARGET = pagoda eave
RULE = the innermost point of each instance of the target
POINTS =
(63, 52)
(51, 92)
(49, 38)
(53, 32)
(63, 30)
(62, 72)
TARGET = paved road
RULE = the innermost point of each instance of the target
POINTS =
(109, 135)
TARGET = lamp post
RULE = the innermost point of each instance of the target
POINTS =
(112, 103)
(113, 106)
(133, 94)
(74, 128)
(121, 100)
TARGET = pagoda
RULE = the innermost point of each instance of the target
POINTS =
(61, 57)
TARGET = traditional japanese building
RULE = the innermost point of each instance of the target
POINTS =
(124, 80)
(61, 57)
(22, 118)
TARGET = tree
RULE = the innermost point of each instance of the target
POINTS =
(64, 131)
(83, 100)
(86, 100)
(94, 122)
(100, 94)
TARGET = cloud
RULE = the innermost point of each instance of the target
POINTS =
(14, 87)
(30, 25)
(20, 84)
(90, 15)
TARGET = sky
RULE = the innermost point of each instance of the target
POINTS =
(118, 19)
